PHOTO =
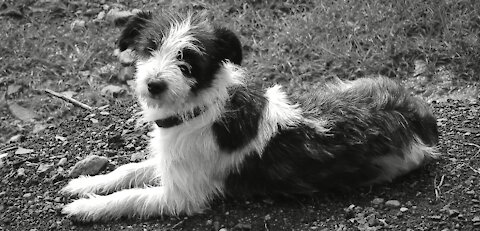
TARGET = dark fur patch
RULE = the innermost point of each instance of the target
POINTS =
(133, 27)
(239, 123)
(299, 161)
(374, 118)
(218, 47)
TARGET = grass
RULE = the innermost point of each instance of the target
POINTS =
(298, 43)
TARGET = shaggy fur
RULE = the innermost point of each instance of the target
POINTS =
(215, 135)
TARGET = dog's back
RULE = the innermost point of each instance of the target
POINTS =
(357, 133)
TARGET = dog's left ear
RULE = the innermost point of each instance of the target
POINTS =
(133, 25)
(228, 45)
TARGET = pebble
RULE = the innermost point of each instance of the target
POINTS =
(268, 217)
(392, 203)
(453, 212)
(62, 161)
(44, 168)
(476, 219)
(223, 229)
(21, 172)
(27, 195)
(378, 201)
(91, 165)
(403, 209)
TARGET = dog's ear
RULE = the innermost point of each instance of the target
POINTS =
(228, 45)
(133, 25)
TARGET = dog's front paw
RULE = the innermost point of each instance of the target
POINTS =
(79, 187)
(89, 210)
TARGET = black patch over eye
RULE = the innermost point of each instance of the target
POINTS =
(185, 69)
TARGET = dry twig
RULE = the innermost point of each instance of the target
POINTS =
(68, 99)
(438, 191)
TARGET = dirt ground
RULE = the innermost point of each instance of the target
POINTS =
(42, 137)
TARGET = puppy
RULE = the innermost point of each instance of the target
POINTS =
(214, 135)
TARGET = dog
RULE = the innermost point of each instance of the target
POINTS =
(216, 135)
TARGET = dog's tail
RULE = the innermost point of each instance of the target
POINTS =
(418, 126)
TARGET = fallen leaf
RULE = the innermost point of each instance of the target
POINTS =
(21, 151)
(20, 112)
(12, 89)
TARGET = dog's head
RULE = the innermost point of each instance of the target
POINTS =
(177, 57)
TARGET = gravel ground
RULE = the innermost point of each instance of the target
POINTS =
(441, 196)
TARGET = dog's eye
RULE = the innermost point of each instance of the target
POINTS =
(180, 56)
(185, 69)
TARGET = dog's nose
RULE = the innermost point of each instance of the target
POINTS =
(157, 87)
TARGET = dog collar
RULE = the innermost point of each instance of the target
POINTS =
(176, 120)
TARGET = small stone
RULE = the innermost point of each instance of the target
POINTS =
(223, 229)
(44, 168)
(403, 209)
(21, 172)
(453, 212)
(378, 201)
(27, 195)
(22, 151)
(476, 219)
(62, 161)
(91, 165)
(267, 217)
(209, 222)
(393, 203)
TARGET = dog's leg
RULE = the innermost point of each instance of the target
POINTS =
(126, 176)
(138, 202)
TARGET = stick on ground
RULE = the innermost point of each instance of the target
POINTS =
(68, 99)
